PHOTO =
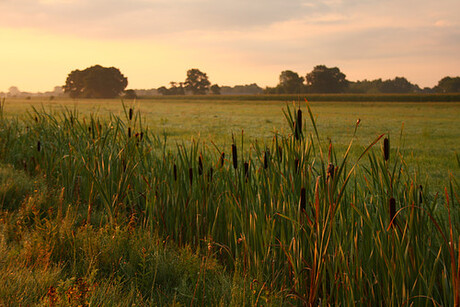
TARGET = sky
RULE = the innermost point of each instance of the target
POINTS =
(235, 42)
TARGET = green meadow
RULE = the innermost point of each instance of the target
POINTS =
(229, 202)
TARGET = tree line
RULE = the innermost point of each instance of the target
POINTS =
(103, 82)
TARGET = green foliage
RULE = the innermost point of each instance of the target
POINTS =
(197, 82)
(448, 85)
(294, 221)
(95, 82)
(323, 79)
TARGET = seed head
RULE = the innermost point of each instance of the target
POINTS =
(234, 156)
(392, 208)
(39, 146)
(266, 159)
(298, 125)
(246, 170)
(330, 171)
(303, 201)
(222, 159)
(386, 149)
(200, 165)
(130, 113)
(175, 172)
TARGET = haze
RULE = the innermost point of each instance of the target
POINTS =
(154, 42)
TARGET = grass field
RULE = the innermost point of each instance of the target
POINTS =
(97, 210)
(430, 130)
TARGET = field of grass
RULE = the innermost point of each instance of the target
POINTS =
(97, 209)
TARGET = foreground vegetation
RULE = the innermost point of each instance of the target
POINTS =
(102, 211)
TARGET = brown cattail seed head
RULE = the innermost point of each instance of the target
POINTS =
(296, 165)
(39, 146)
(303, 200)
(222, 159)
(392, 207)
(142, 135)
(234, 156)
(330, 171)
(175, 172)
(266, 159)
(190, 175)
(200, 165)
(298, 125)
(210, 174)
(129, 132)
(130, 113)
(386, 149)
(280, 153)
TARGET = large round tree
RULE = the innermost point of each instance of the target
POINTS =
(95, 82)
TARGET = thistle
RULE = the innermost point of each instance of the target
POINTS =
(234, 156)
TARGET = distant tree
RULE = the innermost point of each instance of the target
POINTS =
(365, 87)
(290, 83)
(130, 94)
(448, 85)
(14, 91)
(174, 89)
(197, 82)
(398, 85)
(215, 89)
(95, 82)
(326, 80)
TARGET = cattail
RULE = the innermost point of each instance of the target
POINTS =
(200, 165)
(222, 159)
(129, 132)
(392, 205)
(234, 156)
(142, 135)
(298, 125)
(386, 149)
(330, 171)
(71, 120)
(296, 165)
(280, 153)
(89, 129)
(130, 113)
(266, 159)
(246, 170)
(303, 201)
(36, 119)
(175, 172)
(39, 146)
(210, 174)
(190, 175)
(420, 195)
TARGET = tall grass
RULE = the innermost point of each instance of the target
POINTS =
(301, 222)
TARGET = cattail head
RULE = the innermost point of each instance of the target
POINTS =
(200, 165)
(296, 165)
(234, 156)
(266, 159)
(280, 153)
(129, 132)
(39, 146)
(222, 159)
(303, 200)
(420, 195)
(175, 172)
(386, 149)
(392, 209)
(210, 174)
(142, 135)
(298, 125)
(190, 175)
(330, 171)
(246, 170)
(130, 113)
